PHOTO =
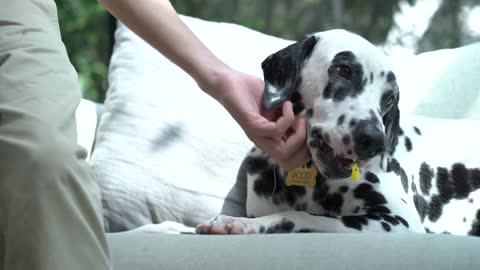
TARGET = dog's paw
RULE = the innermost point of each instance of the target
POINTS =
(166, 227)
(228, 225)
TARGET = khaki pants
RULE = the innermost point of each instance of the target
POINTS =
(50, 208)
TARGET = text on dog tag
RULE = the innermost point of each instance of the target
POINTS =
(304, 176)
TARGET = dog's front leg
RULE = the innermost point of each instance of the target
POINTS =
(294, 222)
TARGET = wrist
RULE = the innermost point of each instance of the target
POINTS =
(213, 80)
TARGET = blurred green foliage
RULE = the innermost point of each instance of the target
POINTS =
(87, 29)
(292, 19)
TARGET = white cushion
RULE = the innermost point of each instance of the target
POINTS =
(441, 84)
(86, 116)
(167, 151)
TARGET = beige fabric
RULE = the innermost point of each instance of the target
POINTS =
(50, 215)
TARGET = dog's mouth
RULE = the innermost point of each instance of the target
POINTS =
(344, 162)
(338, 166)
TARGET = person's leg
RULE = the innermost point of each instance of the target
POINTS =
(50, 209)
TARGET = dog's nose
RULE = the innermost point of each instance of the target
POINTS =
(369, 140)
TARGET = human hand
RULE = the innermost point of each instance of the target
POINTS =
(277, 132)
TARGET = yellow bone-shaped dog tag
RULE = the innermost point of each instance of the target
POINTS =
(355, 172)
(304, 176)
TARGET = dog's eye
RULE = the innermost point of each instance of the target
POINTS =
(344, 71)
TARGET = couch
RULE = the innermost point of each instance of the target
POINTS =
(163, 150)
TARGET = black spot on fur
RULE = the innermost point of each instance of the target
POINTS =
(414, 186)
(356, 210)
(305, 231)
(354, 222)
(428, 230)
(385, 226)
(374, 202)
(346, 139)
(460, 178)
(404, 201)
(349, 152)
(421, 205)
(262, 229)
(320, 190)
(373, 217)
(298, 105)
(339, 85)
(435, 208)
(400, 132)
(394, 166)
(353, 122)
(333, 202)
(316, 132)
(464, 219)
(265, 186)
(327, 92)
(340, 120)
(390, 219)
(403, 221)
(417, 130)
(426, 176)
(408, 144)
(309, 113)
(292, 193)
(372, 178)
(382, 73)
(371, 77)
(470, 200)
(475, 178)
(391, 77)
(475, 231)
(445, 186)
(256, 164)
(285, 226)
(343, 189)
(364, 82)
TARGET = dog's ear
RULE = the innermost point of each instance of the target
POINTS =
(282, 72)
(391, 121)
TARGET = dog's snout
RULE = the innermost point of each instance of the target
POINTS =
(369, 140)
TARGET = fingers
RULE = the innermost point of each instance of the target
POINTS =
(286, 120)
(292, 152)
(298, 159)
(280, 126)
(296, 139)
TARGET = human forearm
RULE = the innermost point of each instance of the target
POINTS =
(157, 22)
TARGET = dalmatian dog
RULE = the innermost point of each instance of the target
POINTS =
(411, 178)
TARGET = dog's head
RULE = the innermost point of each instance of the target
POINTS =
(347, 90)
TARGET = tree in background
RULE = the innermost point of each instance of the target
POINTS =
(86, 32)
(87, 29)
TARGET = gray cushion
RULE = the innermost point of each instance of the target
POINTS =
(134, 250)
